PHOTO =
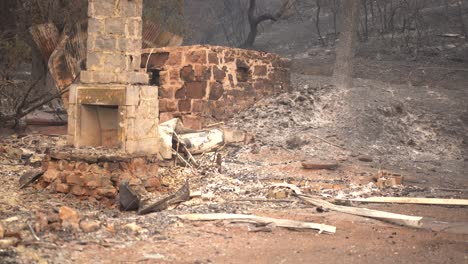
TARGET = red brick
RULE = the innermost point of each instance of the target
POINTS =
(89, 177)
(93, 185)
(156, 61)
(63, 176)
(260, 70)
(185, 105)
(175, 58)
(187, 74)
(218, 73)
(69, 166)
(75, 178)
(167, 105)
(213, 58)
(62, 165)
(137, 165)
(166, 92)
(202, 73)
(113, 166)
(196, 90)
(163, 117)
(197, 106)
(153, 169)
(181, 93)
(69, 217)
(95, 168)
(163, 78)
(216, 91)
(62, 188)
(193, 122)
(174, 75)
(201, 107)
(50, 175)
(82, 166)
(153, 184)
(107, 192)
(78, 190)
(196, 56)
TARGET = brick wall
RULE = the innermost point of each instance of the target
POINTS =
(204, 84)
(99, 179)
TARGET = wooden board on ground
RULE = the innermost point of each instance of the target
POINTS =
(412, 200)
(259, 219)
(406, 220)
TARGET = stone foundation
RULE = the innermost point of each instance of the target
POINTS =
(85, 175)
(204, 84)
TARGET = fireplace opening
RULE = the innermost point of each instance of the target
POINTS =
(99, 126)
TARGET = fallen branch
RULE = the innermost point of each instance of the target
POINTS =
(412, 200)
(260, 220)
(293, 187)
(214, 125)
(328, 142)
(182, 159)
(31, 229)
(405, 220)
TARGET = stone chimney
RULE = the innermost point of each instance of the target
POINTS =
(113, 106)
(114, 42)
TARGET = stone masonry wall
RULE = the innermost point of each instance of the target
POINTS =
(204, 84)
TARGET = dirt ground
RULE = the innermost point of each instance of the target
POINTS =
(164, 239)
(408, 116)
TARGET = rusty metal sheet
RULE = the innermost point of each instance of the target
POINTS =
(154, 37)
(46, 37)
(66, 61)
(101, 96)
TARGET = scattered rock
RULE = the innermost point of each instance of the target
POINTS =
(208, 196)
(50, 176)
(62, 188)
(296, 142)
(365, 158)
(41, 222)
(10, 242)
(319, 165)
(277, 194)
(133, 227)
(69, 217)
(89, 226)
(12, 152)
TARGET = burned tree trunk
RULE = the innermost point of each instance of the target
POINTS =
(461, 8)
(317, 22)
(343, 70)
(254, 21)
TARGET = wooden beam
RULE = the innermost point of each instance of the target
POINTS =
(406, 220)
(259, 219)
(412, 200)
